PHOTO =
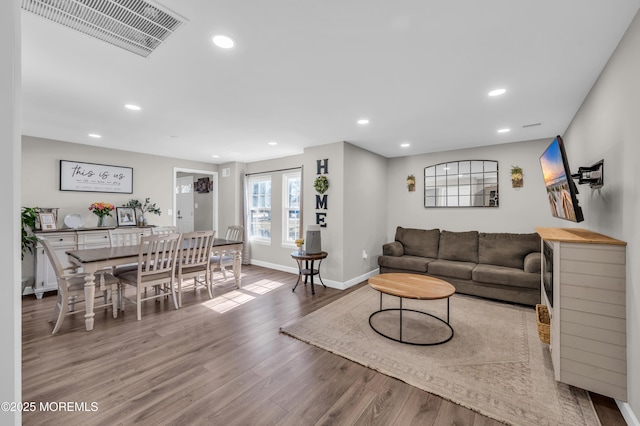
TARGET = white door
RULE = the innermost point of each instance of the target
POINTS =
(184, 203)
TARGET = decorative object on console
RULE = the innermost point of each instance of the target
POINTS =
(516, 177)
(126, 216)
(47, 221)
(28, 217)
(102, 210)
(321, 184)
(147, 207)
(299, 243)
(411, 183)
(74, 221)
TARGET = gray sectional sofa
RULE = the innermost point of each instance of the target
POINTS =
(500, 266)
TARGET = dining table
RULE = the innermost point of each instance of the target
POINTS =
(96, 259)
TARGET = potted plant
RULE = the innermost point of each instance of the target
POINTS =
(29, 216)
(147, 207)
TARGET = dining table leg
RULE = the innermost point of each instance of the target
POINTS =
(237, 265)
(89, 295)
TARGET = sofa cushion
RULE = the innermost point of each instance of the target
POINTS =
(419, 242)
(392, 249)
(505, 249)
(460, 246)
(409, 263)
(453, 269)
(506, 276)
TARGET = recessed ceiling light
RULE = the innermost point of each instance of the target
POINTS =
(363, 121)
(215, 156)
(94, 135)
(273, 143)
(223, 42)
(497, 92)
(504, 130)
(132, 107)
(405, 145)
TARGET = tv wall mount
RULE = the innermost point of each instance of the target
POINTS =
(593, 175)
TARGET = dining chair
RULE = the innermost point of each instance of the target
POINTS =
(193, 261)
(220, 260)
(125, 237)
(160, 230)
(156, 268)
(71, 288)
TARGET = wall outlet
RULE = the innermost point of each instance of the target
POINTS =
(169, 212)
(364, 254)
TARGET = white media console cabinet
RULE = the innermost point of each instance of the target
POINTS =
(586, 297)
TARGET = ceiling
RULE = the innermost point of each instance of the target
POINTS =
(303, 72)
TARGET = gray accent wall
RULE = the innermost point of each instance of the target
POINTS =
(607, 126)
(520, 209)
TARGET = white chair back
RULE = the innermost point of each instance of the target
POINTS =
(163, 230)
(234, 233)
(125, 237)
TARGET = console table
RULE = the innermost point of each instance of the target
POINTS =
(63, 240)
(308, 270)
(587, 307)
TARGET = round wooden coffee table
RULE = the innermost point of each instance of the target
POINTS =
(412, 286)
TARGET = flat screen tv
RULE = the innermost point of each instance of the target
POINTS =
(561, 190)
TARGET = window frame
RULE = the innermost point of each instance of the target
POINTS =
(286, 208)
(253, 180)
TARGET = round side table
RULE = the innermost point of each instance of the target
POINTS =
(306, 269)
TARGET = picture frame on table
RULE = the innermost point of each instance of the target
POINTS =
(47, 221)
(126, 216)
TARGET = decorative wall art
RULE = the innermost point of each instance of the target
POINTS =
(203, 185)
(91, 177)
(517, 180)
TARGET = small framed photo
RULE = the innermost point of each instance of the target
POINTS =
(126, 216)
(47, 221)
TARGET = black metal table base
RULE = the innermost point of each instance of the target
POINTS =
(307, 272)
(401, 310)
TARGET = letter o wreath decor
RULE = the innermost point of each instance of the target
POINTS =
(321, 184)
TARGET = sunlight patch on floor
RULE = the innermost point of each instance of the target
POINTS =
(227, 301)
(262, 286)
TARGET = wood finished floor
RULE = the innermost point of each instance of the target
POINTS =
(197, 365)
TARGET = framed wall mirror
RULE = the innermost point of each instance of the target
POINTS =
(469, 183)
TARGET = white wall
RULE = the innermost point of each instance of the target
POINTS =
(365, 211)
(520, 209)
(332, 236)
(607, 126)
(152, 177)
(10, 309)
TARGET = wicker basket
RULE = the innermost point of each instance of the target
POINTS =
(543, 320)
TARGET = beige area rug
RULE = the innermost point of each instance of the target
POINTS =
(494, 364)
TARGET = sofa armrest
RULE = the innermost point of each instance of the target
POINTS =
(532, 262)
(393, 249)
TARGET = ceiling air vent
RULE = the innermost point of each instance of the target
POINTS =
(134, 25)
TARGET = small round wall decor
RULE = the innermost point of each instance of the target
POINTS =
(321, 184)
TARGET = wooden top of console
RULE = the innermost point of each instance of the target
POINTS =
(576, 235)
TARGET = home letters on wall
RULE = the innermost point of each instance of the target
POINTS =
(91, 177)
(321, 184)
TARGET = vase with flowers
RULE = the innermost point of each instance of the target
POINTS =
(102, 210)
(299, 243)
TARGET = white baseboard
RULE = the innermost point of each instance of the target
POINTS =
(628, 415)
(329, 283)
